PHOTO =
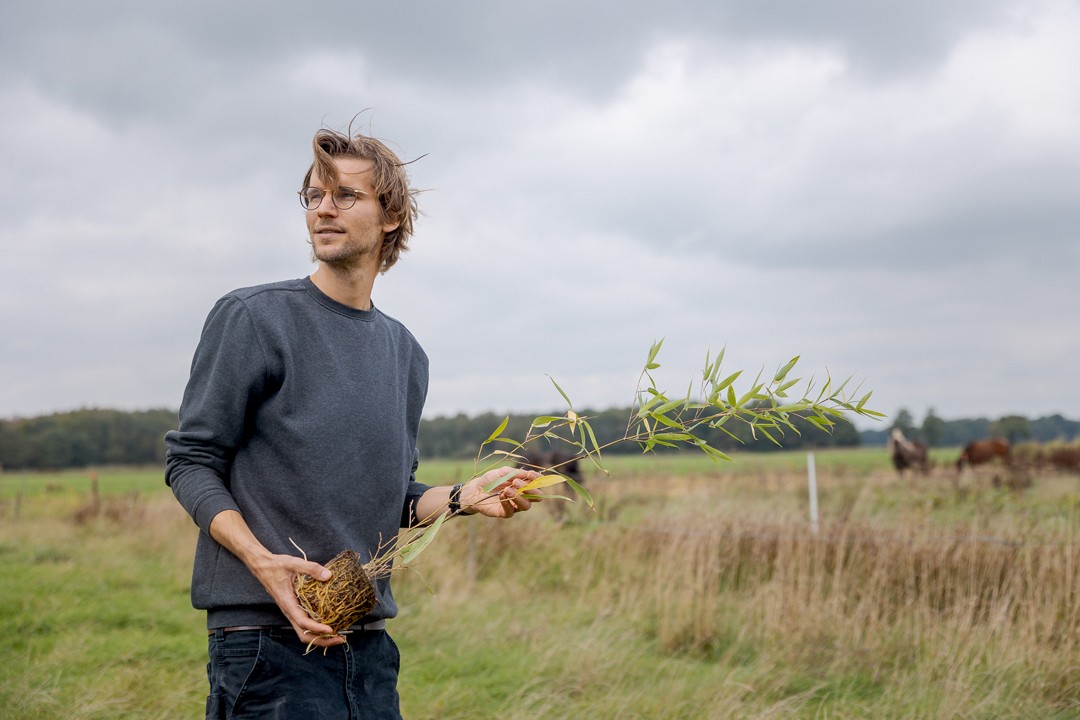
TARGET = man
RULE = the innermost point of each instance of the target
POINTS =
(299, 425)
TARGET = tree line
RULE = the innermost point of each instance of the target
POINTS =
(96, 437)
(936, 432)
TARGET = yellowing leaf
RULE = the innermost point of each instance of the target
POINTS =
(542, 482)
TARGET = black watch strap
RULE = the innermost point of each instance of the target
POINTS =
(454, 504)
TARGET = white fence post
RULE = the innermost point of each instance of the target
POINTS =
(811, 473)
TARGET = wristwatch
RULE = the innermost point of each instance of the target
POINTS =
(455, 499)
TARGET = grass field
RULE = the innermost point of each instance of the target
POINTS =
(693, 591)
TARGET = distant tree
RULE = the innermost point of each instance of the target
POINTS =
(1014, 428)
(933, 429)
(1054, 427)
(904, 422)
(961, 432)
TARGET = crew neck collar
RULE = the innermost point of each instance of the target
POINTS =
(332, 304)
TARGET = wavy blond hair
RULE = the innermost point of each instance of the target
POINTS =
(388, 178)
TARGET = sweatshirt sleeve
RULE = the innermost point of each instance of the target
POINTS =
(412, 495)
(228, 371)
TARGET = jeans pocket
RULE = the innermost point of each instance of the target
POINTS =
(215, 707)
(232, 661)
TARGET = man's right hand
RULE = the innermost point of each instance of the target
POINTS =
(277, 573)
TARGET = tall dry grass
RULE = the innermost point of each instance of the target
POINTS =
(689, 595)
(897, 607)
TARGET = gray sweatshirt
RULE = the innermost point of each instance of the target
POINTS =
(302, 414)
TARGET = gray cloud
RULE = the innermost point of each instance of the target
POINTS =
(890, 190)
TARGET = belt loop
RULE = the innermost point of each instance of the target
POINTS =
(219, 634)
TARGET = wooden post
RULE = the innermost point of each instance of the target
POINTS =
(811, 473)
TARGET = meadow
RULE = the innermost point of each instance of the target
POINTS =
(693, 590)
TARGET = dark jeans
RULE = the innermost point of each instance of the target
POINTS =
(265, 674)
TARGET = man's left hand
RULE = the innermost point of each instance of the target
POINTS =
(504, 499)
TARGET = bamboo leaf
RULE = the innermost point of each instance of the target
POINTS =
(782, 372)
(565, 397)
(665, 420)
(498, 430)
(582, 493)
(418, 543)
(788, 385)
(500, 480)
(592, 436)
(652, 354)
(767, 434)
(542, 482)
(713, 453)
(728, 380)
(547, 497)
(673, 437)
(669, 405)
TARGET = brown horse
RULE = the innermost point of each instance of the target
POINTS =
(907, 453)
(983, 451)
(1065, 459)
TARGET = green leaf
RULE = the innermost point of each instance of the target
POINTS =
(498, 430)
(728, 380)
(418, 543)
(592, 436)
(582, 493)
(713, 453)
(750, 394)
(665, 420)
(673, 437)
(782, 372)
(652, 354)
(490, 487)
(565, 397)
(669, 405)
(788, 385)
(545, 420)
(767, 434)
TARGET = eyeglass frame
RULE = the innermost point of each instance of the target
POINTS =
(323, 193)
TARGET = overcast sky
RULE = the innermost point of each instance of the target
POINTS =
(890, 190)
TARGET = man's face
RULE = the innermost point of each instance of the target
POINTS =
(352, 236)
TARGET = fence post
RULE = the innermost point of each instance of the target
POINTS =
(811, 475)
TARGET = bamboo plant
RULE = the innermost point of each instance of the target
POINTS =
(657, 419)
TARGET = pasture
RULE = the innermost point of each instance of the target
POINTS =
(694, 590)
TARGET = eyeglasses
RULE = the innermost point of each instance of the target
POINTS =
(343, 197)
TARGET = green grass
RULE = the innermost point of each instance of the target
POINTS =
(639, 610)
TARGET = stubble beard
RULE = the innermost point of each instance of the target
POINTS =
(346, 256)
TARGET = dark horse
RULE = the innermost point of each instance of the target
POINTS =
(557, 462)
(983, 451)
(907, 453)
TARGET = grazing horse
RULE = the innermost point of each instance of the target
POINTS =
(983, 451)
(907, 453)
(557, 462)
(1065, 459)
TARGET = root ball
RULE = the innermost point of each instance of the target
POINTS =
(343, 599)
